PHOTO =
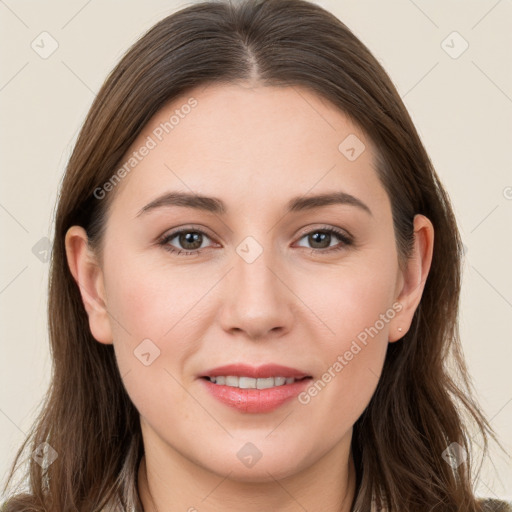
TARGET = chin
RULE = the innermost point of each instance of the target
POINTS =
(250, 464)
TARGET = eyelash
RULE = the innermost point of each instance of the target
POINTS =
(346, 241)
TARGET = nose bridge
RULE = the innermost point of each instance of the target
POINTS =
(257, 301)
(255, 269)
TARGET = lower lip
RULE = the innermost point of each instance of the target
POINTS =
(256, 400)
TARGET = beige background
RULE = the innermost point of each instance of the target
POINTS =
(461, 106)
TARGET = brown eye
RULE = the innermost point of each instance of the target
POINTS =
(187, 241)
(190, 240)
(320, 239)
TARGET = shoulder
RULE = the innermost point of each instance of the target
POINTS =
(492, 505)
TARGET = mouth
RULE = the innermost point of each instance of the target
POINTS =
(245, 376)
(255, 390)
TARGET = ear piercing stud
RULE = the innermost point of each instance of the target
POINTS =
(400, 329)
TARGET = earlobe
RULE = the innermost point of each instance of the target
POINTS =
(411, 282)
(88, 275)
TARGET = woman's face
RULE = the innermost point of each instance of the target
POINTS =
(250, 281)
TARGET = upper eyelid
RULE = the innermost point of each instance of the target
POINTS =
(325, 227)
(172, 233)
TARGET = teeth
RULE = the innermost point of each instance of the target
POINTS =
(246, 383)
(232, 381)
(265, 383)
(251, 383)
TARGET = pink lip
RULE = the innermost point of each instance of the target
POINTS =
(256, 372)
(255, 400)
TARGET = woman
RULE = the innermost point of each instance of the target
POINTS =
(247, 308)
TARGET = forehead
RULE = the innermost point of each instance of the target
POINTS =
(261, 142)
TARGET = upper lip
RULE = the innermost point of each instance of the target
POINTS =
(256, 372)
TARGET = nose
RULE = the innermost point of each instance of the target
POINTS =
(257, 300)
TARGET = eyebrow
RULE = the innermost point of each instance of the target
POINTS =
(217, 206)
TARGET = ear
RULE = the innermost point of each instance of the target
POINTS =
(88, 275)
(411, 281)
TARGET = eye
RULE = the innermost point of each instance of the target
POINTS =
(321, 239)
(190, 240)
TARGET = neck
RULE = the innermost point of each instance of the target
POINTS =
(327, 486)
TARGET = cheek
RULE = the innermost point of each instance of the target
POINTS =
(349, 299)
(149, 307)
(352, 362)
(355, 305)
(154, 335)
(150, 299)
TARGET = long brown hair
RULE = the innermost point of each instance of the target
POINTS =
(400, 441)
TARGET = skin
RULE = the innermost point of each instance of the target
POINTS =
(254, 147)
